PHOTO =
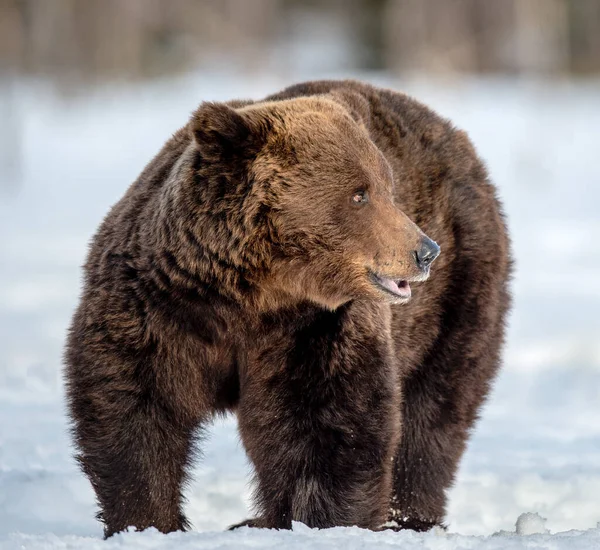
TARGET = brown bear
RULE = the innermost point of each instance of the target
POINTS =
(271, 261)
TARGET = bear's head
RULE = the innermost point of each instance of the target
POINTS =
(301, 200)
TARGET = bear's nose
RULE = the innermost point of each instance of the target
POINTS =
(428, 252)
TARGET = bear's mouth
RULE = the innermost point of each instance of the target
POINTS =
(399, 288)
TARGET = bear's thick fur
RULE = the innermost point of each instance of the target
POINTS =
(262, 263)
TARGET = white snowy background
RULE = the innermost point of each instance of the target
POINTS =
(537, 446)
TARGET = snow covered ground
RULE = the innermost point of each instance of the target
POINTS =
(537, 446)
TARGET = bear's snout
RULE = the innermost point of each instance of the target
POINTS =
(426, 253)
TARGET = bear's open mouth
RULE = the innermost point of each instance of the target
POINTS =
(400, 288)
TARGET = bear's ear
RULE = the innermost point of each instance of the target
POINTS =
(221, 131)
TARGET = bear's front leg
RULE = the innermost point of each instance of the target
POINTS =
(319, 418)
(133, 443)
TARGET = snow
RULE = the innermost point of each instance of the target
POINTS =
(536, 450)
(302, 537)
(531, 524)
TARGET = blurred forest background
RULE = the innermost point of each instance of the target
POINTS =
(89, 40)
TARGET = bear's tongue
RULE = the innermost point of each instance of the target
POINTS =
(400, 288)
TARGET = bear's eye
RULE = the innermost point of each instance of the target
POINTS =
(360, 197)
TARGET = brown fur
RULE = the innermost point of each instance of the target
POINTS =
(237, 274)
